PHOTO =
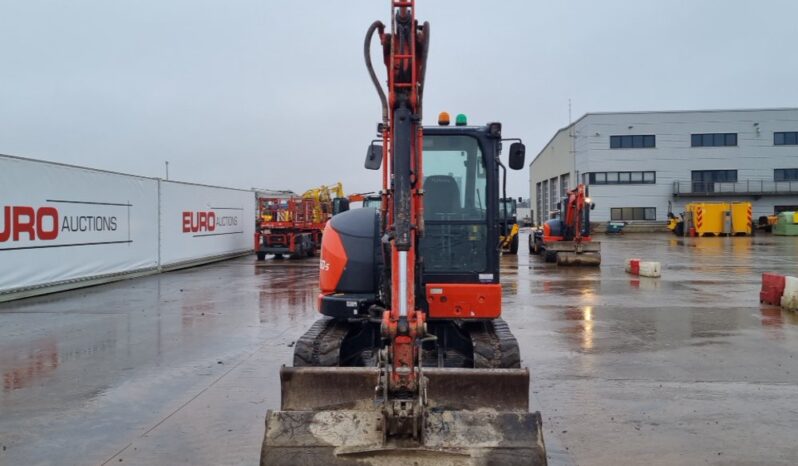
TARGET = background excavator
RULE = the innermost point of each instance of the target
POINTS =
(508, 225)
(411, 363)
(566, 239)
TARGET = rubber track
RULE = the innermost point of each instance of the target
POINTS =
(495, 347)
(320, 346)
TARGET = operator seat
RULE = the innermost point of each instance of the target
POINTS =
(441, 197)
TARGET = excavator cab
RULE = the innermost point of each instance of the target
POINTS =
(372, 201)
(457, 205)
(339, 204)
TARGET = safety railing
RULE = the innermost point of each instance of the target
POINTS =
(736, 188)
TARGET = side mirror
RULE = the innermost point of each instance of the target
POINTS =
(374, 157)
(517, 154)
(592, 205)
(559, 205)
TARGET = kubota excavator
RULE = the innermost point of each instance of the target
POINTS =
(566, 239)
(411, 363)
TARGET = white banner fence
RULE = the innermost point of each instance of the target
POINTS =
(64, 227)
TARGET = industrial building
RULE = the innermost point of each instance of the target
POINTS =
(640, 165)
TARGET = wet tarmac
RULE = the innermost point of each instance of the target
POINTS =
(180, 368)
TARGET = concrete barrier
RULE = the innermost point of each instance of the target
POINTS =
(643, 268)
(789, 300)
(772, 289)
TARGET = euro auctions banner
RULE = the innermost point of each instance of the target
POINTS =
(204, 221)
(61, 223)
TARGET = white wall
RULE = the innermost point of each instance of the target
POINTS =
(554, 160)
(204, 221)
(755, 157)
(64, 226)
(86, 223)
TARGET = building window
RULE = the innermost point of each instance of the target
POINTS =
(788, 138)
(545, 197)
(633, 213)
(785, 174)
(713, 139)
(637, 141)
(715, 176)
(622, 177)
(553, 198)
(704, 180)
(565, 181)
(539, 202)
(785, 208)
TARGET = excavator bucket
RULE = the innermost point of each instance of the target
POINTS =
(329, 416)
(583, 259)
(572, 253)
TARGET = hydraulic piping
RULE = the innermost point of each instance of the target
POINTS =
(375, 26)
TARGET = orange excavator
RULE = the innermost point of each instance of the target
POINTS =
(411, 362)
(566, 239)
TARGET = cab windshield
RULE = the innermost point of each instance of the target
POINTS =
(507, 209)
(373, 202)
(455, 205)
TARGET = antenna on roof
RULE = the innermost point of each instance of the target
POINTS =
(569, 112)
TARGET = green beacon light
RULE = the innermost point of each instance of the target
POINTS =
(461, 120)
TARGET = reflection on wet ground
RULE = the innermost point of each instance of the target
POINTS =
(180, 368)
(685, 369)
(193, 354)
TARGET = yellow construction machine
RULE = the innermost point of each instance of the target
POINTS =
(508, 225)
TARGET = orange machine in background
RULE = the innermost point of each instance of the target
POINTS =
(293, 226)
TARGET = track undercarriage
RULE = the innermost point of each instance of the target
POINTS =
(485, 344)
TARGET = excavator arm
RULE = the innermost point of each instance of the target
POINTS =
(397, 412)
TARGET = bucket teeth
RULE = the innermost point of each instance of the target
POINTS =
(474, 417)
(583, 259)
(482, 437)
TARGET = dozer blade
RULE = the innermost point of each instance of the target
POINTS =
(474, 417)
(571, 258)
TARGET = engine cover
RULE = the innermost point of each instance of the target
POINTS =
(350, 263)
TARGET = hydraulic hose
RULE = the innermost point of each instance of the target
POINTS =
(422, 49)
(376, 25)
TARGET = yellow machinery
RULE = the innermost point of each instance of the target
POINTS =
(508, 225)
(324, 196)
(510, 242)
(766, 222)
(713, 218)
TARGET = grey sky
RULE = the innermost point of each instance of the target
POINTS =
(275, 94)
